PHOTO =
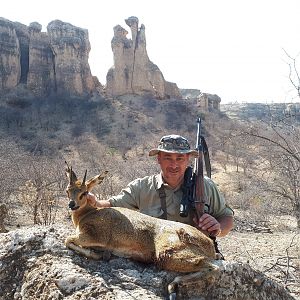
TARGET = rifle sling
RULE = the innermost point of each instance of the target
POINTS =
(162, 196)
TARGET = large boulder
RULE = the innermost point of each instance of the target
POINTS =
(133, 72)
(35, 264)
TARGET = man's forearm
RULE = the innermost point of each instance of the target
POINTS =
(97, 203)
(103, 203)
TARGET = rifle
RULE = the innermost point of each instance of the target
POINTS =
(193, 185)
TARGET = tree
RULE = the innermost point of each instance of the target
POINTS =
(280, 150)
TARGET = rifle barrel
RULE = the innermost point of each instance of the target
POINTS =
(199, 182)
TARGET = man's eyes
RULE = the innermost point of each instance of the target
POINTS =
(177, 159)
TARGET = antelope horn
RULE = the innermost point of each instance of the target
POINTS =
(73, 177)
(84, 178)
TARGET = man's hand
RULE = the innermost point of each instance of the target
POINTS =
(91, 198)
(214, 227)
(210, 224)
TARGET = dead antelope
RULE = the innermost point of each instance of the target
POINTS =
(170, 245)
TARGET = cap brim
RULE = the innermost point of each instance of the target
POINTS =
(155, 151)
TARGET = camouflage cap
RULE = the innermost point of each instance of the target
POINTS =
(173, 144)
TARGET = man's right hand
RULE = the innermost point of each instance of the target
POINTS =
(92, 200)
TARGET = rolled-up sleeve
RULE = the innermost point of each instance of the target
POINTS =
(128, 197)
(216, 202)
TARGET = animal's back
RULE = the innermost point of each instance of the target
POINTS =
(171, 245)
(121, 230)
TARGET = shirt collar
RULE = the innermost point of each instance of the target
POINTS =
(158, 181)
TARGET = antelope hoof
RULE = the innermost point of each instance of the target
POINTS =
(172, 290)
(172, 296)
(94, 255)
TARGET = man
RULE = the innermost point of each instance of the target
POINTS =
(160, 195)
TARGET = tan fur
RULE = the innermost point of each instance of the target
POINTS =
(170, 245)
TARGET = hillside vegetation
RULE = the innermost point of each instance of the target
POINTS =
(38, 135)
(253, 150)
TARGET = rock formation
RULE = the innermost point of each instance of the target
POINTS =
(209, 101)
(35, 264)
(204, 100)
(70, 46)
(52, 62)
(133, 72)
(10, 69)
(56, 62)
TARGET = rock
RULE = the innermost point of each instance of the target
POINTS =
(209, 101)
(34, 264)
(70, 46)
(204, 100)
(10, 68)
(190, 93)
(133, 72)
(49, 62)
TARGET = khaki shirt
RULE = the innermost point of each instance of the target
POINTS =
(142, 194)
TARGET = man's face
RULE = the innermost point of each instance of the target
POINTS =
(173, 166)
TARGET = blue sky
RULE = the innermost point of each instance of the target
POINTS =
(232, 48)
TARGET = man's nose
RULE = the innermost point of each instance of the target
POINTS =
(173, 164)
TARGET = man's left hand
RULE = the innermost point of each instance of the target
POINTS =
(210, 224)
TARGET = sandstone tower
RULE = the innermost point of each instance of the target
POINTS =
(52, 62)
(133, 72)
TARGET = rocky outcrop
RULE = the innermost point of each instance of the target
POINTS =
(209, 101)
(190, 93)
(35, 264)
(133, 72)
(70, 47)
(204, 100)
(10, 67)
(52, 62)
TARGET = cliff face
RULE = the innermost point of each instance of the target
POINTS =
(52, 62)
(133, 72)
(10, 67)
(56, 62)
(70, 47)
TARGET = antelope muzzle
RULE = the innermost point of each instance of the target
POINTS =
(72, 205)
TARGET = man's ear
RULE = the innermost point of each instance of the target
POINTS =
(95, 180)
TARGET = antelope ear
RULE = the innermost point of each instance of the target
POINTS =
(95, 180)
(70, 174)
